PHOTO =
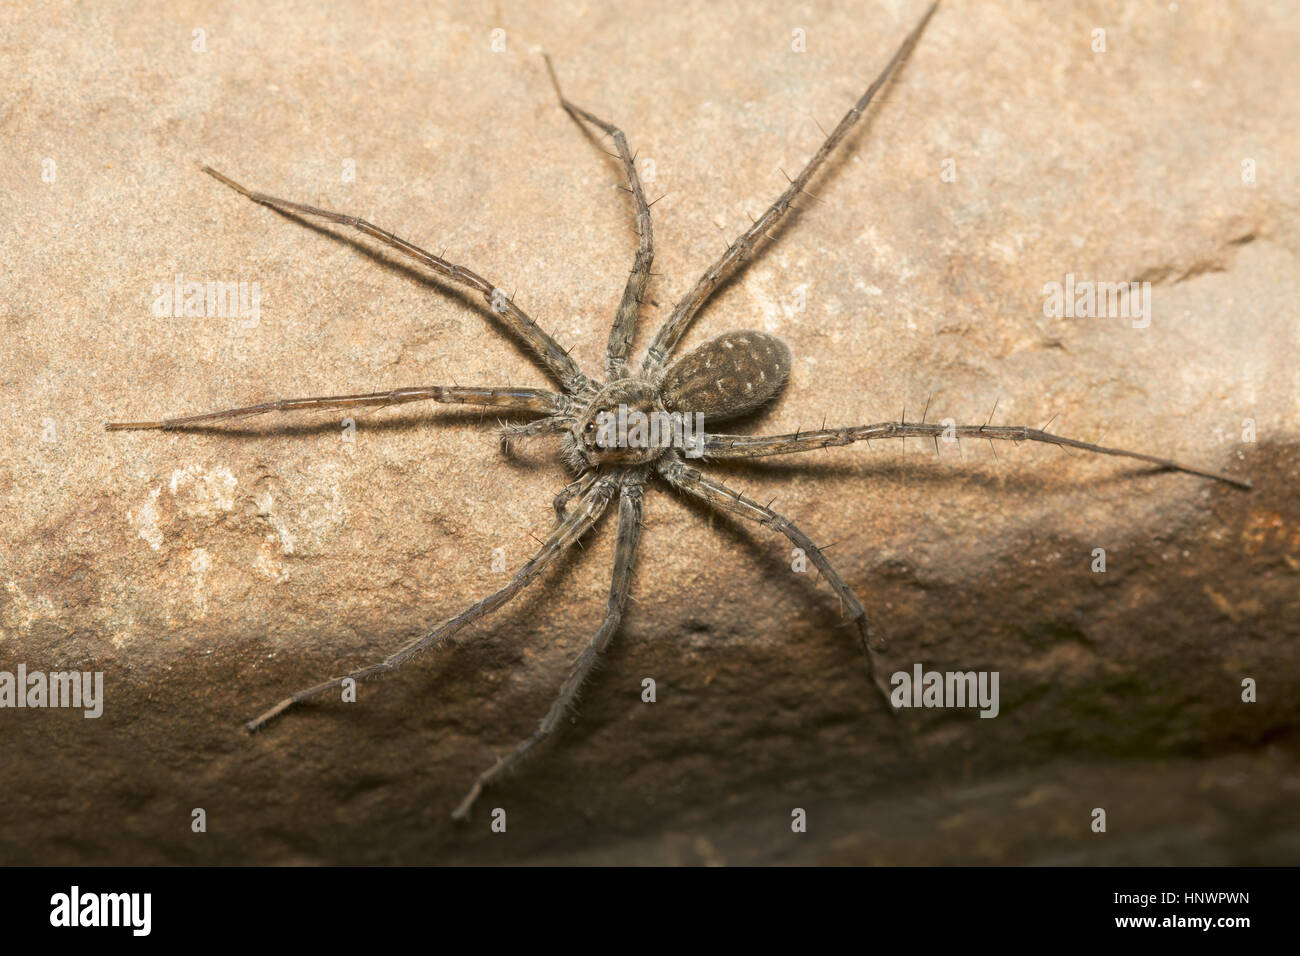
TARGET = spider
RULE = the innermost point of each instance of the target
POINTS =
(729, 376)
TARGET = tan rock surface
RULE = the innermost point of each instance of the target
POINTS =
(208, 574)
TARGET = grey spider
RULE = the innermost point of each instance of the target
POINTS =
(726, 377)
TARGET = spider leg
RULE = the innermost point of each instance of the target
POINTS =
(715, 493)
(629, 535)
(683, 313)
(520, 399)
(624, 327)
(556, 359)
(568, 492)
(756, 446)
(564, 535)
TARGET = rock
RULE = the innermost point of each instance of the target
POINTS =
(209, 574)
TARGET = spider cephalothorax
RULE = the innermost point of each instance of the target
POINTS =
(634, 421)
(726, 377)
(599, 436)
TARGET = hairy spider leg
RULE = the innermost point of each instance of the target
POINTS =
(518, 399)
(571, 490)
(670, 333)
(591, 507)
(554, 358)
(629, 536)
(755, 446)
(714, 493)
(625, 319)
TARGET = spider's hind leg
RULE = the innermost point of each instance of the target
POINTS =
(629, 536)
(715, 493)
(758, 446)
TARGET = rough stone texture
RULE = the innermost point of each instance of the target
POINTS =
(208, 574)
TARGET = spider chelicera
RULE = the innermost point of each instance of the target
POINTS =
(726, 377)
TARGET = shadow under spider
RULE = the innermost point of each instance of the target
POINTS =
(727, 378)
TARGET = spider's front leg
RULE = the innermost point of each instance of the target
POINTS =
(517, 399)
(758, 446)
(716, 494)
(556, 359)
(624, 326)
(565, 534)
(683, 314)
(629, 536)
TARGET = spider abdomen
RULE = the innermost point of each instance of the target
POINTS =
(727, 376)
